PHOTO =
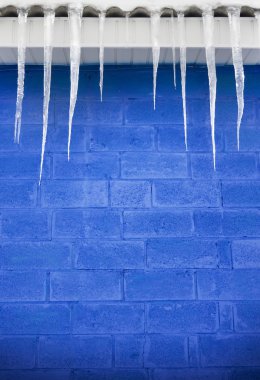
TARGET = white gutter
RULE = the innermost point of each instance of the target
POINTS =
(139, 33)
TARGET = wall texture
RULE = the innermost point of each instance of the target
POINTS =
(135, 260)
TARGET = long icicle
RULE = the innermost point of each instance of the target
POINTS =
(22, 23)
(173, 50)
(183, 59)
(155, 24)
(102, 17)
(234, 22)
(49, 17)
(208, 25)
(75, 19)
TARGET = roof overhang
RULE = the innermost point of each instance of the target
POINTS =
(127, 44)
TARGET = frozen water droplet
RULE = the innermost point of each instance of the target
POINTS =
(49, 17)
(22, 23)
(155, 26)
(173, 51)
(234, 22)
(75, 19)
(182, 36)
(102, 17)
(208, 25)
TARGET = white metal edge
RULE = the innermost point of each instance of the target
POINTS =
(139, 33)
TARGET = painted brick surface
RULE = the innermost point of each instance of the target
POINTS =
(134, 260)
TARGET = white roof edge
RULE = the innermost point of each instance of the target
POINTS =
(138, 36)
(133, 47)
(128, 6)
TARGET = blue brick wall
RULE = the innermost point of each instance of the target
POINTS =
(135, 260)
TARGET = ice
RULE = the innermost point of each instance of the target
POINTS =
(102, 17)
(49, 17)
(173, 50)
(208, 26)
(22, 23)
(75, 18)
(133, 4)
(155, 33)
(234, 22)
(181, 24)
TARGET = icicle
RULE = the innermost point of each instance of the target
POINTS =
(173, 51)
(208, 24)
(181, 23)
(102, 17)
(155, 24)
(49, 17)
(22, 22)
(234, 22)
(75, 18)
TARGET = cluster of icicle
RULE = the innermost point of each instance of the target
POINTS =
(75, 20)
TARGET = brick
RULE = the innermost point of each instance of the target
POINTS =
(224, 252)
(182, 253)
(14, 194)
(17, 352)
(171, 139)
(75, 352)
(186, 194)
(231, 165)
(159, 285)
(26, 224)
(249, 140)
(57, 139)
(241, 223)
(90, 112)
(58, 194)
(121, 139)
(191, 374)
(7, 138)
(172, 351)
(241, 194)
(87, 224)
(32, 110)
(193, 351)
(110, 255)
(44, 255)
(226, 316)
(130, 194)
(113, 374)
(226, 112)
(154, 165)
(23, 166)
(245, 253)
(208, 223)
(142, 112)
(129, 351)
(246, 316)
(34, 319)
(17, 286)
(242, 374)
(85, 285)
(157, 224)
(239, 351)
(228, 284)
(86, 166)
(39, 374)
(182, 317)
(108, 318)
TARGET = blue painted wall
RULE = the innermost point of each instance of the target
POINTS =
(134, 260)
